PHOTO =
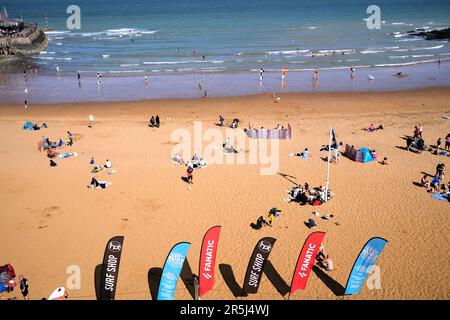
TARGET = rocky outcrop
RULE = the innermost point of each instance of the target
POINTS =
(438, 34)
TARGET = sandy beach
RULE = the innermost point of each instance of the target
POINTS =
(51, 220)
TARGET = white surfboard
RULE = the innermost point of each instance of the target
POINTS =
(58, 294)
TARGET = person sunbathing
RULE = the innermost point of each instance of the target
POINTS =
(51, 153)
(96, 184)
(303, 155)
(230, 149)
(108, 164)
(235, 123)
(327, 263)
(424, 182)
(259, 223)
(321, 255)
(434, 185)
(372, 128)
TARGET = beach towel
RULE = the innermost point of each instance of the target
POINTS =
(439, 196)
(67, 155)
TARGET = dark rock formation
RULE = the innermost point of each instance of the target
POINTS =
(438, 34)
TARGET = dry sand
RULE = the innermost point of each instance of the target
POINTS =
(50, 220)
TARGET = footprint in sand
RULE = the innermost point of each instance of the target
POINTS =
(50, 212)
(22, 226)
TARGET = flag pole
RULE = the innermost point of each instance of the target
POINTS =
(327, 181)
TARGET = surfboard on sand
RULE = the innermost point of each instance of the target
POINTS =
(58, 294)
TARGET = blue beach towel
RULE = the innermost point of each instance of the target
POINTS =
(439, 196)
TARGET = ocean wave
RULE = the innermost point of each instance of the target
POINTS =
(115, 33)
(55, 58)
(422, 55)
(397, 23)
(331, 51)
(129, 65)
(398, 57)
(410, 39)
(127, 71)
(401, 35)
(287, 51)
(182, 62)
(428, 48)
(372, 51)
(105, 56)
(50, 33)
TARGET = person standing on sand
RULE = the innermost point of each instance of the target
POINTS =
(447, 142)
(70, 137)
(157, 121)
(283, 73)
(23, 283)
(440, 169)
(25, 104)
(189, 170)
(416, 133)
(438, 144)
(352, 70)
(261, 74)
(145, 81)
